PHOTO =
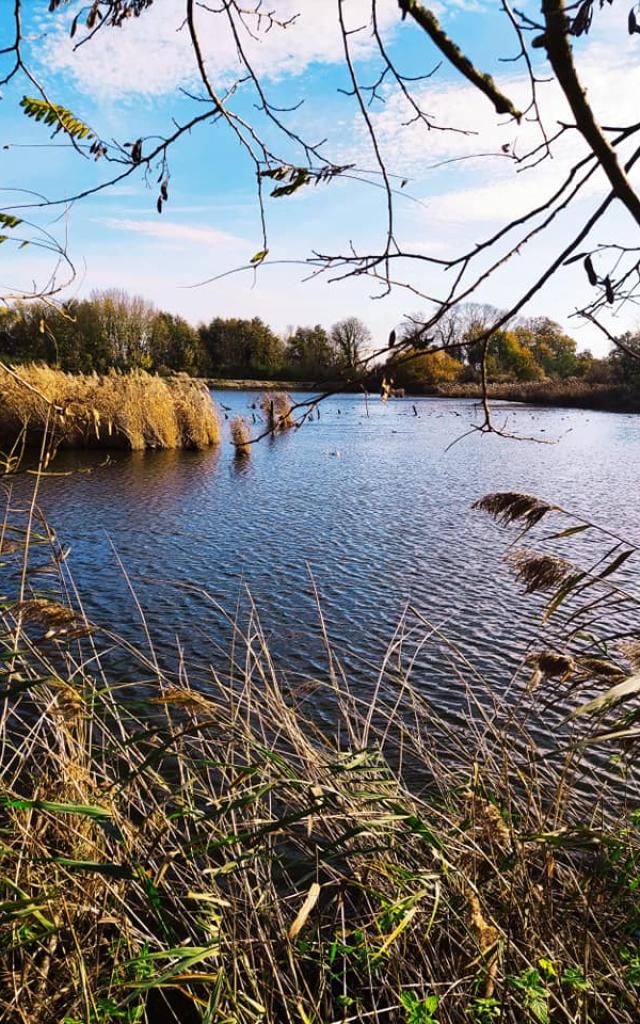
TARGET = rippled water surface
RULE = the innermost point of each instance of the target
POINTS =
(376, 510)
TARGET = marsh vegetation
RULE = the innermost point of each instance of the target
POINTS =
(40, 406)
(180, 852)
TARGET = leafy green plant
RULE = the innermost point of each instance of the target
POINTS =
(535, 993)
(574, 978)
(632, 969)
(419, 1011)
(485, 1010)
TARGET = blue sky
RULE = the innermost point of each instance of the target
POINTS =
(126, 84)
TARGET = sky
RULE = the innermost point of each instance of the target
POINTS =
(453, 188)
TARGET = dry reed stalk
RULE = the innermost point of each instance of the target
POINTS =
(278, 410)
(240, 436)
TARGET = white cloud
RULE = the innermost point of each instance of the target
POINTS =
(469, 178)
(608, 68)
(152, 55)
(503, 199)
(173, 232)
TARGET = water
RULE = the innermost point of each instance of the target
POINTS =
(372, 511)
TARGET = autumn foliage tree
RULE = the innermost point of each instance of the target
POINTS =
(420, 371)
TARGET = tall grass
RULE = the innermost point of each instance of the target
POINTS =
(213, 853)
(133, 410)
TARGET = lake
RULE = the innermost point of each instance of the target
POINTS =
(367, 506)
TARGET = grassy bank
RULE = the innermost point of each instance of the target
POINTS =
(132, 411)
(572, 393)
(199, 848)
(224, 384)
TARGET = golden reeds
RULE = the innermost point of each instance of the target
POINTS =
(204, 849)
(225, 849)
(134, 410)
(278, 410)
(240, 436)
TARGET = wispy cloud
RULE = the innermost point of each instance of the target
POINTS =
(472, 178)
(172, 231)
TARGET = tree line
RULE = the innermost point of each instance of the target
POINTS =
(527, 349)
(114, 330)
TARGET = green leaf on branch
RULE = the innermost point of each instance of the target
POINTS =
(295, 177)
(9, 221)
(55, 116)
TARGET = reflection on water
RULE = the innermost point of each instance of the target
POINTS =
(374, 511)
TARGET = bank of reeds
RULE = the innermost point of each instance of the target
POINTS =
(132, 410)
(217, 853)
(571, 393)
(278, 410)
(240, 436)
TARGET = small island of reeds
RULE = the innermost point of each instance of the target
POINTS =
(131, 411)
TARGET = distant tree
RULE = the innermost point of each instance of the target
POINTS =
(461, 326)
(69, 348)
(92, 339)
(128, 321)
(420, 371)
(350, 337)
(174, 344)
(625, 362)
(23, 334)
(552, 349)
(309, 354)
(508, 355)
(598, 371)
(237, 347)
(109, 329)
(510, 359)
(455, 333)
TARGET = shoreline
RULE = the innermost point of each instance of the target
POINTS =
(572, 393)
(223, 384)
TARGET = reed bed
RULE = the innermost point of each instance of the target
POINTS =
(119, 410)
(277, 409)
(571, 393)
(240, 436)
(197, 847)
